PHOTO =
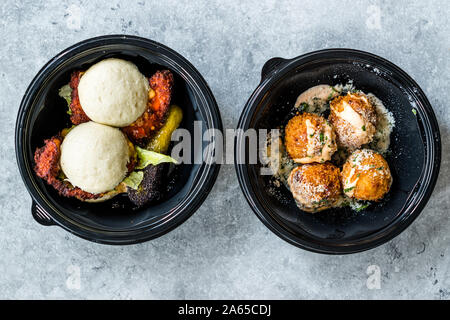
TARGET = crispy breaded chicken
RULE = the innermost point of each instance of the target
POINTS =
(309, 138)
(366, 176)
(315, 186)
(354, 118)
(78, 116)
(47, 158)
(152, 119)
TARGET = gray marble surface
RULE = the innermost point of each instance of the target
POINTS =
(223, 250)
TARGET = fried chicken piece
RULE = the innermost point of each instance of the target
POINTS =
(366, 176)
(47, 167)
(78, 115)
(354, 118)
(315, 187)
(309, 138)
(161, 82)
(152, 119)
(47, 158)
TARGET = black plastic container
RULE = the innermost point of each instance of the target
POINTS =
(414, 162)
(42, 114)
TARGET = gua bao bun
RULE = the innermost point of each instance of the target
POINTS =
(113, 92)
(94, 157)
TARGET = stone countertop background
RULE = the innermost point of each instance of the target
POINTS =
(223, 250)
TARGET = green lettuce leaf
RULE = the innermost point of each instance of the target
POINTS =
(66, 93)
(134, 179)
(146, 157)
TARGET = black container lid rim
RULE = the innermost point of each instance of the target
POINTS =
(414, 204)
(204, 179)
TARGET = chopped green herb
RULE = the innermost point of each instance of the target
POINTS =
(321, 137)
(345, 203)
(363, 128)
(61, 175)
(349, 189)
(380, 168)
(311, 135)
(362, 207)
(322, 201)
(304, 107)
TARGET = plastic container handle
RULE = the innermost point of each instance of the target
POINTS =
(40, 215)
(271, 65)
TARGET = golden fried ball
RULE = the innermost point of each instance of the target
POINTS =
(315, 187)
(310, 138)
(366, 175)
(354, 120)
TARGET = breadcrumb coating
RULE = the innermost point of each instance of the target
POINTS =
(78, 115)
(366, 175)
(316, 186)
(152, 119)
(309, 138)
(355, 126)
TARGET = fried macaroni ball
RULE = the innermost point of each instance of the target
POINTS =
(310, 138)
(366, 175)
(315, 187)
(354, 120)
